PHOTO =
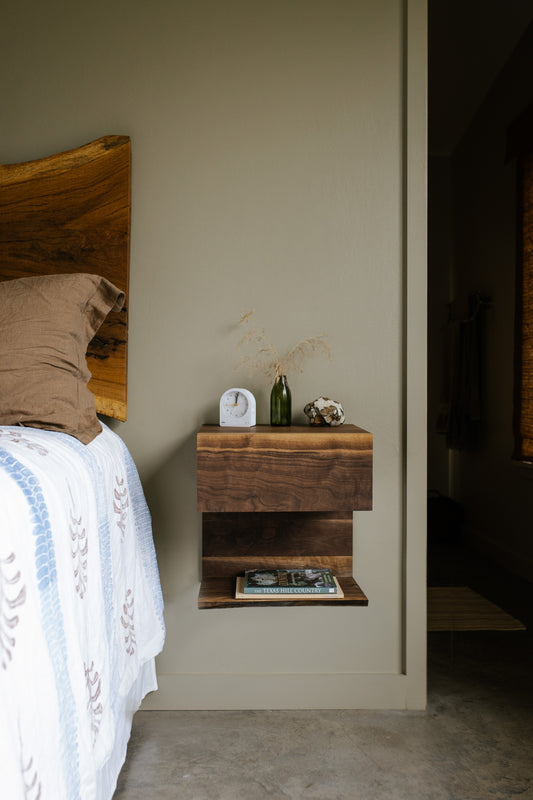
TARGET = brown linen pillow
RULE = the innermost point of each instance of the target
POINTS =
(46, 324)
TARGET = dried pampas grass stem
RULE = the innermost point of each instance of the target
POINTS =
(265, 357)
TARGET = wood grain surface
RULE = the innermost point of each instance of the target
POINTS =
(70, 212)
(235, 542)
(301, 468)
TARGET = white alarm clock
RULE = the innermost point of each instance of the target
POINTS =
(237, 408)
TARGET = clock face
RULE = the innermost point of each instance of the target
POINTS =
(237, 407)
(236, 403)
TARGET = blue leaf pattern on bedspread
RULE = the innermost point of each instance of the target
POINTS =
(51, 614)
(75, 531)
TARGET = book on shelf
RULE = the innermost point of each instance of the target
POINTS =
(251, 597)
(307, 581)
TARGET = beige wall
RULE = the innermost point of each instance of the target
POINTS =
(268, 148)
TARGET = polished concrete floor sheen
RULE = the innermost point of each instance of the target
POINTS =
(473, 742)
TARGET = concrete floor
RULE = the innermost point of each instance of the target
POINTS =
(474, 741)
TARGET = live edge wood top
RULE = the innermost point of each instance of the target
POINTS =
(297, 468)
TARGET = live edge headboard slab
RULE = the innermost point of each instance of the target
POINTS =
(71, 212)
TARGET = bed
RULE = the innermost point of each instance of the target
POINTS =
(81, 611)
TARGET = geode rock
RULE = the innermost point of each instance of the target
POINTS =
(324, 411)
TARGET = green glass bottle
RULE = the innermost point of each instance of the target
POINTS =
(280, 402)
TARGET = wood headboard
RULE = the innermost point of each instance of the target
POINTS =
(71, 212)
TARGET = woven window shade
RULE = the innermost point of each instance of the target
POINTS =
(524, 331)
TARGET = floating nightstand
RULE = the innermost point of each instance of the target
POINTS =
(280, 497)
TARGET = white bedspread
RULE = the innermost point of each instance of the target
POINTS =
(81, 612)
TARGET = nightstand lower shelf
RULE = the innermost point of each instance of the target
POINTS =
(220, 593)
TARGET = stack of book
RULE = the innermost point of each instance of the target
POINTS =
(277, 584)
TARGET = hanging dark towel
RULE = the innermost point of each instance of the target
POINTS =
(459, 415)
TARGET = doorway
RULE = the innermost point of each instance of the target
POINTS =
(478, 500)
